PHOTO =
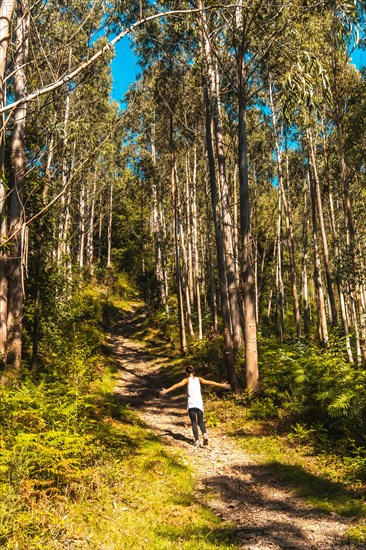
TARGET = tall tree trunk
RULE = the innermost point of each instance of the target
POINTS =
(280, 303)
(359, 313)
(185, 263)
(213, 301)
(196, 265)
(321, 315)
(251, 352)
(110, 226)
(156, 228)
(6, 13)
(288, 219)
(17, 214)
(90, 228)
(214, 100)
(319, 202)
(178, 278)
(304, 270)
(225, 308)
(100, 227)
(188, 219)
(63, 233)
(335, 231)
(82, 209)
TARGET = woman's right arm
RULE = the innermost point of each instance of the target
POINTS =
(174, 387)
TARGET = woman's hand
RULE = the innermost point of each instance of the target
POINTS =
(163, 391)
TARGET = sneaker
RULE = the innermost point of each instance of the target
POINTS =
(197, 443)
(205, 439)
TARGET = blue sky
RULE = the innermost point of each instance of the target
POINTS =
(125, 67)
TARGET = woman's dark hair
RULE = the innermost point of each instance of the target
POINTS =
(189, 370)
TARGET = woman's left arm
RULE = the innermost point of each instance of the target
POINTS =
(224, 386)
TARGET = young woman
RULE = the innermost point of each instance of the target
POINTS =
(195, 403)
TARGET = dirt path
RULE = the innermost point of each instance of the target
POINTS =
(265, 515)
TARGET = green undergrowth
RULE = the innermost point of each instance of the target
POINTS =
(305, 428)
(332, 482)
(78, 468)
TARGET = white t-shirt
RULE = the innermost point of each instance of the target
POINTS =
(194, 393)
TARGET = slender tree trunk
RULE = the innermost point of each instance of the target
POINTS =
(322, 320)
(214, 99)
(100, 227)
(82, 209)
(304, 270)
(225, 311)
(288, 220)
(188, 218)
(319, 202)
(213, 301)
(334, 231)
(156, 229)
(6, 13)
(274, 267)
(185, 265)
(90, 228)
(279, 275)
(178, 278)
(110, 226)
(360, 316)
(195, 246)
(65, 199)
(35, 334)
(17, 218)
(251, 353)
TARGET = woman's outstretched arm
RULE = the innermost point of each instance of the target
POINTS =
(175, 386)
(224, 386)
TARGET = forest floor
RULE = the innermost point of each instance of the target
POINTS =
(244, 494)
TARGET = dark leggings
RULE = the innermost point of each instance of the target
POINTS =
(196, 416)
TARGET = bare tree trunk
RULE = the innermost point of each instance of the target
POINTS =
(195, 246)
(110, 220)
(321, 315)
(6, 13)
(185, 266)
(251, 352)
(328, 275)
(279, 277)
(100, 227)
(334, 231)
(227, 220)
(214, 100)
(274, 267)
(90, 228)
(288, 219)
(213, 301)
(17, 217)
(82, 209)
(156, 229)
(225, 311)
(359, 315)
(174, 189)
(65, 199)
(188, 216)
(304, 270)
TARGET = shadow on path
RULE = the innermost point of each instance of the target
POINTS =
(258, 501)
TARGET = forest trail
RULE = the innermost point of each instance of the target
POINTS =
(263, 514)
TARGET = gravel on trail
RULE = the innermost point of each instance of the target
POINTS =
(242, 493)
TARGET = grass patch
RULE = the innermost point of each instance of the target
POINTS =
(132, 493)
(80, 470)
(325, 480)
